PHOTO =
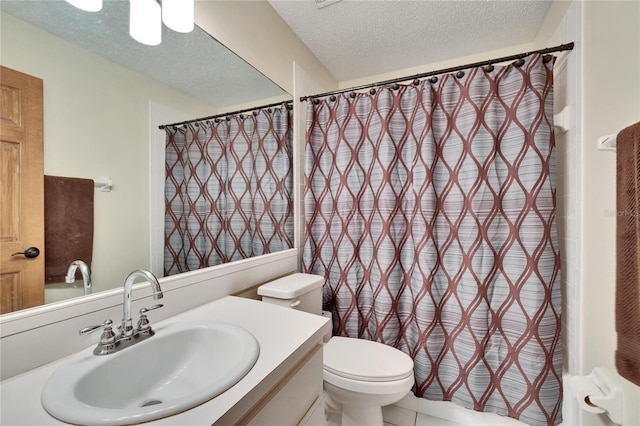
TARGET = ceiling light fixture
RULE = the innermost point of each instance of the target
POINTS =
(87, 5)
(145, 23)
(178, 15)
(146, 17)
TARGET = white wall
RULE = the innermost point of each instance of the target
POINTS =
(96, 116)
(567, 99)
(611, 102)
(600, 81)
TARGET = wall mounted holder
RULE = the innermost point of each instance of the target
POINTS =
(104, 183)
(607, 143)
(598, 393)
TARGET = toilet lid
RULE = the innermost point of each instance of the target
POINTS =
(365, 360)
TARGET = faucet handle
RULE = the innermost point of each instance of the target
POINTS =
(143, 311)
(87, 330)
(143, 322)
(108, 340)
(107, 337)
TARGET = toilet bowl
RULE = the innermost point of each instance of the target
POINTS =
(360, 376)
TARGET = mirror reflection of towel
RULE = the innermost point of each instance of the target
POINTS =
(68, 224)
(628, 253)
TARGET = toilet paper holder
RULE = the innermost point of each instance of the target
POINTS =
(598, 393)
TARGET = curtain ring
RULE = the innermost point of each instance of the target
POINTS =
(332, 98)
(316, 102)
(372, 91)
(174, 128)
(396, 86)
(255, 113)
(352, 95)
(197, 124)
(289, 107)
(228, 118)
(460, 74)
(488, 68)
(519, 62)
(416, 82)
(433, 80)
(547, 58)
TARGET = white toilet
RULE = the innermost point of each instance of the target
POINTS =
(360, 376)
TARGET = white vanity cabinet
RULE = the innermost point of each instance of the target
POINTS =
(296, 399)
(284, 387)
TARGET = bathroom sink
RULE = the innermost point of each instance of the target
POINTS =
(184, 364)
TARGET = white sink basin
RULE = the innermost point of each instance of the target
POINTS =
(183, 365)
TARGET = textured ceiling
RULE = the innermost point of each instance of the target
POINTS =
(352, 38)
(194, 63)
(359, 38)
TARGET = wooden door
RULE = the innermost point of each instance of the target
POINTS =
(21, 190)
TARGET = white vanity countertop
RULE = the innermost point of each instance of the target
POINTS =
(283, 334)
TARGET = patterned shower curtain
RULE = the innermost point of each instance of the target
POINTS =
(228, 190)
(430, 211)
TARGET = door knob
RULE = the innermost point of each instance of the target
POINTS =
(29, 253)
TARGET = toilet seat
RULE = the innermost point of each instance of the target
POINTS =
(365, 361)
(395, 389)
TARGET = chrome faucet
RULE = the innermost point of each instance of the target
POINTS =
(126, 329)
(84, 270)
(126, 335)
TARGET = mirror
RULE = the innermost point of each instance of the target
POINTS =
(104, 96)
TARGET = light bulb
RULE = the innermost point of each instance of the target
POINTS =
(145, 22)
(178, 15)
(88, 5)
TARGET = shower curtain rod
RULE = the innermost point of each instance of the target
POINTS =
(568, 46)
(211, 117)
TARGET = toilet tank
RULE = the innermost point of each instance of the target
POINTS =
(298, 291)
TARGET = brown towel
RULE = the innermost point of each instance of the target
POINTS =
(628, 253)
(68, 224)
